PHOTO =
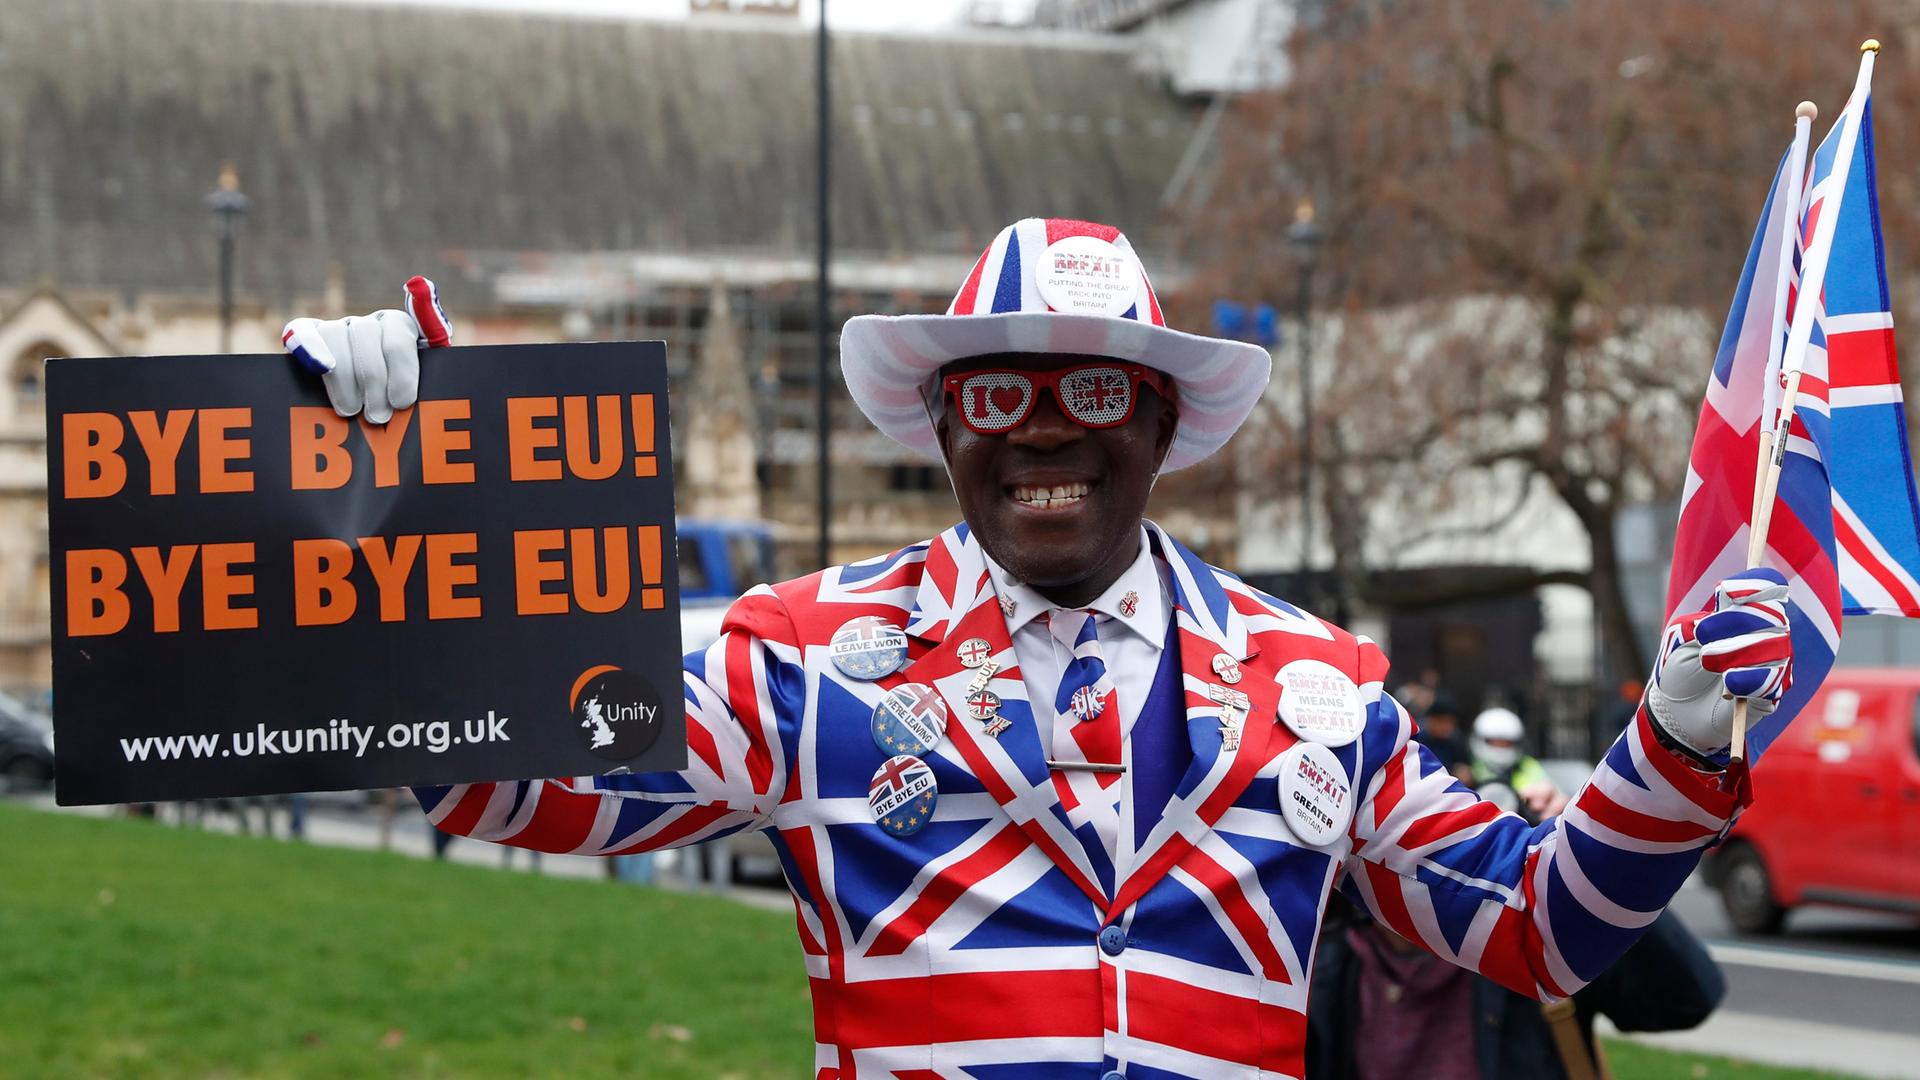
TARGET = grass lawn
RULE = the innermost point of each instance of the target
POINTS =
(134, 950)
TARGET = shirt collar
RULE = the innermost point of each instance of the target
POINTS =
(1137, 600)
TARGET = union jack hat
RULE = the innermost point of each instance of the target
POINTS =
(1051, 285)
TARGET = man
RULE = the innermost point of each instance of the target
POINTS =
(1054, 797)
(1440, 733)
(1499, 763)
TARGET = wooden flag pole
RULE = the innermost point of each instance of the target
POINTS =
(1812, 283)
(1803, 117)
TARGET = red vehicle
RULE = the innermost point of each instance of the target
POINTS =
(1836, 813)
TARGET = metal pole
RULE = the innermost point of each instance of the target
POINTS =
(823, 307)
(226, 283)
(1306, 433)
(228, 206)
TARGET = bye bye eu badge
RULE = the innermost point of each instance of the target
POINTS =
(902, 795)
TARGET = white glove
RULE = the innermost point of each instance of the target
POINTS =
(371, 363)
(1740, 647)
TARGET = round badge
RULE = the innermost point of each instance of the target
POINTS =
(983, 704)
(909, 719)
(1227, 668)
(1085, 275)
(868, 648)
(902, 795)
(973, 652)
(1320, 703)
(1316, 798)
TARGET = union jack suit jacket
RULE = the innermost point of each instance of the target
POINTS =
(974, 948)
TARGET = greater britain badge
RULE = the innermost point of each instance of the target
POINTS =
(1316, 798)
(868, 648)
(902, 795)
(910, 719)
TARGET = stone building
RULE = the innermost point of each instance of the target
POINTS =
(559, 178)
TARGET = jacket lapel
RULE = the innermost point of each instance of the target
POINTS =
(955, 604)
(1206, 626)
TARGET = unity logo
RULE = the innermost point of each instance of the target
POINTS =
(617, 712)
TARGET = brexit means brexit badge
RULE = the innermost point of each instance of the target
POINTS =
(1320, 703)
(909, 720)
(902, 795)
(868, 648)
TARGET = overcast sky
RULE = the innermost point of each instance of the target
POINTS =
(852, 14)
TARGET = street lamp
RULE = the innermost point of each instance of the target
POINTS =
(1304, 237)
(228, 206)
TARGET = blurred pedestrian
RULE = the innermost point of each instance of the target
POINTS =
(1441, 733)
(1383, 1008)
(1499, 764)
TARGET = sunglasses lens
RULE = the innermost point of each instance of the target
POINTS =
(995, 400)
(1097, 396)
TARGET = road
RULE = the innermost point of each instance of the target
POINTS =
(1838, 989)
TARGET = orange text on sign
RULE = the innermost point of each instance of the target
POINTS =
(318, 437)
(94, 448)
(579, 436)
(98, 581)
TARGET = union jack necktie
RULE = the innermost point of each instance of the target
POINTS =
(1087, 728)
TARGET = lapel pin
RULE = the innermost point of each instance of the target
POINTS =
(1006, 606)
(983, 704)
(1227, 668)
(982, 675)
(974, 652)
(1129, 604)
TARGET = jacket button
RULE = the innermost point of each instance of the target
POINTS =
(1113, 942)
(1113, 1076)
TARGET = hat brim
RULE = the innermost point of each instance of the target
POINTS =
(889, 359)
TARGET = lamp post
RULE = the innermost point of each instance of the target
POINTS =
(823, 302)
(228, 206)
(1303, 236)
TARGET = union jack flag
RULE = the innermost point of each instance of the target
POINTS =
(1846, 527)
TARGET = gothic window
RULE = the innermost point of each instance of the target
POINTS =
(28, 383)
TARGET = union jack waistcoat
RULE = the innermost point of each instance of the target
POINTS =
(984, 946)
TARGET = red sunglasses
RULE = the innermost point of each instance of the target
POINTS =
(993, 401)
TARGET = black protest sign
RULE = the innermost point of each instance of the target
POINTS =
(253, 595)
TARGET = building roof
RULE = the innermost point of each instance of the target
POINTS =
(396, 140)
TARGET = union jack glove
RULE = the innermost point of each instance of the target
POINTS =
(371, 363)
(1738, 648)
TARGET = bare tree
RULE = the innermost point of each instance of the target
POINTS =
(1535, 214)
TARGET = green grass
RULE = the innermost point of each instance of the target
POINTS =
(134, 950)
(129, 949)
(1631, 1061)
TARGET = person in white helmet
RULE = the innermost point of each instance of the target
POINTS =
(1499, 762)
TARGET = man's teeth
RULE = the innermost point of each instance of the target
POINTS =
(1051, 498)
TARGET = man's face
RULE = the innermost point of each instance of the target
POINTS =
(1069, 548)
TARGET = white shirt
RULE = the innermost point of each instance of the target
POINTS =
(1131, 620)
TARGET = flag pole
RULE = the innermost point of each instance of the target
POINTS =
(1813, 280)
(1803, 117)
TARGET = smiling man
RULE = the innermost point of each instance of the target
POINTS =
(1054, 797)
